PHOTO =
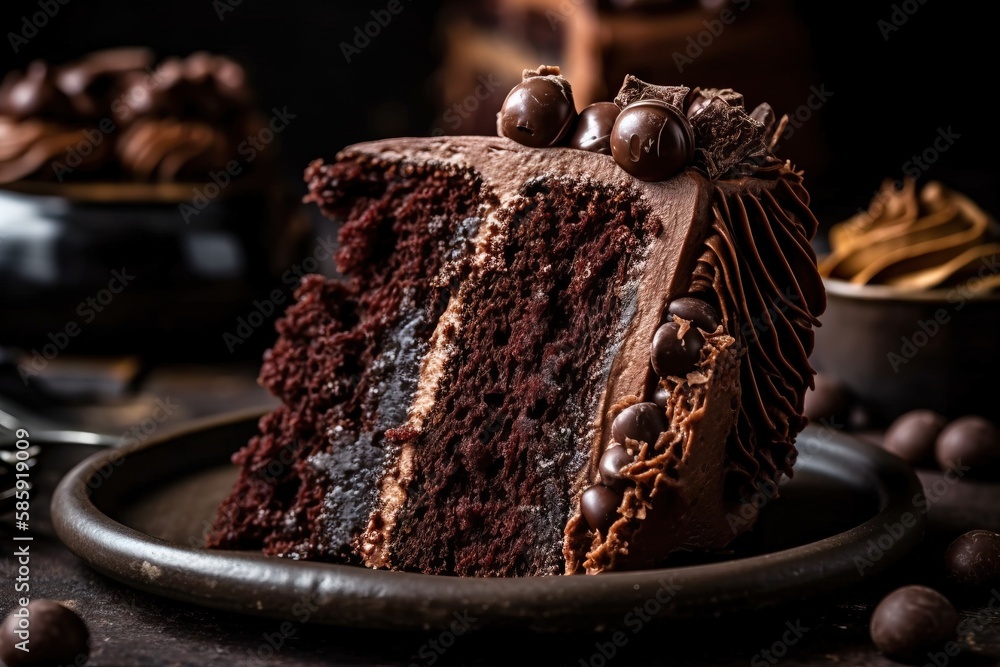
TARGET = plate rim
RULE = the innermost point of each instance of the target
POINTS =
(348, 595)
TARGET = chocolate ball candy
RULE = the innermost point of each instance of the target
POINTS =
(538, 112)
(676, 356)
(661, 395)
(652, 140)
(913, 621)
(642, 422)
(696, 311)
(696, 104)
(828, 400)
(912, 436)
(33, 94)
(599, 506)
(57, 636)
(974, 559)
(593, 128)
(613, 460)
(973, 442)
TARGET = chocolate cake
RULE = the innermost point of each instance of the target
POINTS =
(540, 360)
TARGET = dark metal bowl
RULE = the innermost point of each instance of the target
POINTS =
(897, 351)
(119, 265)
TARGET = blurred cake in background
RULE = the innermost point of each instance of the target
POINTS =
(759, 48)
(161, 172)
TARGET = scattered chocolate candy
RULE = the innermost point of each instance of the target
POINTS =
(912, 436)
(828, 400)
(613, 460)
(539, 111)
(33, 93)
(652, 140)
(642, 422)
(675, 356)
(697, 311)
(55, 634)
(973, 442)
(593, 128)
(912, 621)
(974, 559)
(661, 396)
(599, 506)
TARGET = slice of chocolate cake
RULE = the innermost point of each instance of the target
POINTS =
(537, 362)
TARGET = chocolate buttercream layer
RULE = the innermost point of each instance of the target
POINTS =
(916, 241)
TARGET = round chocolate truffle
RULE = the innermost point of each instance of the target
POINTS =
(538, 112)
(912, 436)
(613, 460)
(828, 400)
(973, 559)
(599, 506)
(661, 395)
(58, 636)
(593, 128)
(973, 442)
(652, 140)
(912, 621)
(696, 311)
(676, 356)
(642, 422)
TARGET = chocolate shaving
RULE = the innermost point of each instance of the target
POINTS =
(634, 89)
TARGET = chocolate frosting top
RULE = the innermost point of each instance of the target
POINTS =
(111, 116)
(915, 241)
(729, 142)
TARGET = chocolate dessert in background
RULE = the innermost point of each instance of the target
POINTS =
(139, 207)
(717, 43)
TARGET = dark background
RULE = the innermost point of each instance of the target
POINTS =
(891, 96)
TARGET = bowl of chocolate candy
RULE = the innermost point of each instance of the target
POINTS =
(139, 204)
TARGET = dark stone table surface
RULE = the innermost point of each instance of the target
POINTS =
(130, 627)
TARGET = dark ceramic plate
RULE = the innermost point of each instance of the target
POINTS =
(139, 517)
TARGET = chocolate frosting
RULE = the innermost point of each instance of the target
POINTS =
(178, 122)
(915, 241)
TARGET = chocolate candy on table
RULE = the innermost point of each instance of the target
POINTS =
(613, 460)
(912, 436)
(539, 111)
(642, 422)
(673, 356)
(913, 621)
(33, 93)
(828, 400)
(973, 442)
(652, 140)
(973, 559)
(593, 128)
(599, 506)
(697, 311)
(57, 636)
